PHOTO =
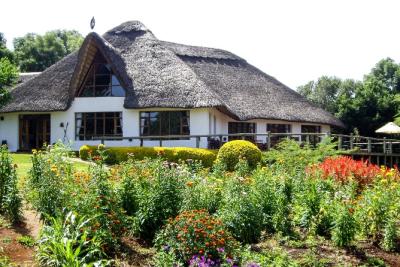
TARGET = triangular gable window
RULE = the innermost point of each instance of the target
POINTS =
(100, 80)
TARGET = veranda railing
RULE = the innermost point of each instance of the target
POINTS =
(355, 143)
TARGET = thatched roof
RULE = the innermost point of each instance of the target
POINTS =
(162, 74)
(26, 76)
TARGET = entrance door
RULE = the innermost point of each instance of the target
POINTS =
(34, 131)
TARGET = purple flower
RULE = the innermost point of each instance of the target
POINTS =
(202, 261)
(166, 248)
(253, 264)
(221, 250)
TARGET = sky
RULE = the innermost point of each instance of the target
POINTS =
(293, 40)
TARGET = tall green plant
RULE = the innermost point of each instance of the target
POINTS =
(70, 242)
(10, 199)
(48, 176)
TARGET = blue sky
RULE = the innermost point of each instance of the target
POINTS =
(294, 41)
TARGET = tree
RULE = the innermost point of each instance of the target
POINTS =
(365, 105)
(36, 52)
(8, 77)
(4, 51)
(323, 92)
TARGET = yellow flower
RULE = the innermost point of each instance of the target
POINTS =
(53, 168)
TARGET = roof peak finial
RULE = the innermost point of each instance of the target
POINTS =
(92, 23)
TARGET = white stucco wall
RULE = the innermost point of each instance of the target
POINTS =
(202, 121)
(261, 125)
(130, 123)
(9, 130)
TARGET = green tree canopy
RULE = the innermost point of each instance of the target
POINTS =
(365, 105)
(8, 77)
(4, 51)
(36, 52)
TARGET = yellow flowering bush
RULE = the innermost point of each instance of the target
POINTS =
(230, 153)
(115, 155)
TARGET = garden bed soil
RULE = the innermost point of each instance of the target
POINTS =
(19, 254)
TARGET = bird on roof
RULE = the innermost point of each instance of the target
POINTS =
(92, 23)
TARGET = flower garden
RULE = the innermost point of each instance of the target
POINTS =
(291, 206)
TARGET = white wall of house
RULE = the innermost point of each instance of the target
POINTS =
(202, 121)
(130, 123)
(220, 126)
(9, 130)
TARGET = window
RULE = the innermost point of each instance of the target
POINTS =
(100, 80)
(313, 139)
(241, 127)
(94, 125)
(278, 128)
(156, 123)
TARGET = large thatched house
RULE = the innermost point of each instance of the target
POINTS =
(128, 83)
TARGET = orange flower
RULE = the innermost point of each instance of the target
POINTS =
(190, 184)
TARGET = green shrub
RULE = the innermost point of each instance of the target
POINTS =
(241, 211)
(69, 242)
(389, 242)
(195, 232)
(10, 200)
(378, 203)
(290, 155)
(48, 176)
(116, 155)
(109, 219)
(344, 225)
(84, 152)
(230, 153)
(273, 190)
(153, 195)
(202, 193)
(274, 257)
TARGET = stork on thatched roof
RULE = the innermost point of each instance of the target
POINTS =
(156, 73)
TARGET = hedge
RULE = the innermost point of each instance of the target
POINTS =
(174, 154)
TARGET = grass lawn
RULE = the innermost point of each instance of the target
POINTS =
(23, 161)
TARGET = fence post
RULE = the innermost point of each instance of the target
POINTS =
(369, 145)
(340, 140)
(141, 142)
(390, 147)
(160, 142)
(102, 141)
(197, 141)
(268, 140)
(384, 145)
(351, 141)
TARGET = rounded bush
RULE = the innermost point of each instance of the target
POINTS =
(84, 152)
(196, 232)
(230, 153)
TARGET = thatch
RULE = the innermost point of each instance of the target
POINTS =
(26, 76)
(155, 73)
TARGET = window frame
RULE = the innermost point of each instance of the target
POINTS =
(110, 87)
(277, 138)
(98, 116)
(146, 116)
(314, 139)
(240, 126)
